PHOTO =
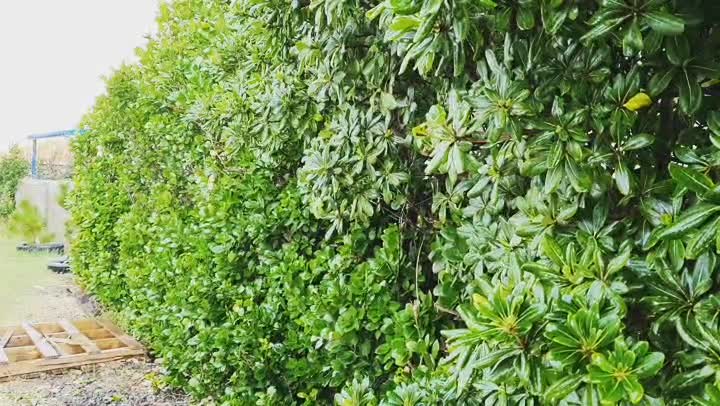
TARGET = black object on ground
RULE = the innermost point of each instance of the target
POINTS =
(54, 248)
(62, 265)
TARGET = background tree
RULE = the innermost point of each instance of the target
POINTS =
(13, 168)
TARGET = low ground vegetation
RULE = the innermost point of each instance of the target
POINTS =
(414, 202)
(28, 225)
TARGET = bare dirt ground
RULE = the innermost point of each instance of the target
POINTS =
(31, 292)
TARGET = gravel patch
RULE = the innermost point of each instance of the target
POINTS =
(125, 383)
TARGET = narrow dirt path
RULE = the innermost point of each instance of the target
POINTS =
(30, 292)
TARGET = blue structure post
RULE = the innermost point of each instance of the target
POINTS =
(34, 165)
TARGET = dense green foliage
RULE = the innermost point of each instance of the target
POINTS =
(13, 168)
(415, 202)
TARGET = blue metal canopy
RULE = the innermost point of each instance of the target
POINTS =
(55, 134)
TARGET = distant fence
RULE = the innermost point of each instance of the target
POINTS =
(54, 171)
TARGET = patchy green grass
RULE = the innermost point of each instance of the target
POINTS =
(24, 283)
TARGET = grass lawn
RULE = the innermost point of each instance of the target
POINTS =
(23, 278)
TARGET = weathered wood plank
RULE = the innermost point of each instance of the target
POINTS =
(48, 328)
(5, 338)
(3, 342)
(47, 364)
(19, 341)
(45, 348)
(32, 348)
(18, 354)
(98, 334)
(110, 344)
(67, 347)
(120, 335)
(86, 324)
(76, 335)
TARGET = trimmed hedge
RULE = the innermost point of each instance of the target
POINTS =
(414, 202)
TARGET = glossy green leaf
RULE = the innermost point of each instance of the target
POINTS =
(526, 18)
(703, 239)
(632, 40)
(553, 251)
(602, 28)
(622, 178)
(563, 387)
(619, 262)
(690, 178)
(660, 81)
(677, 50)
(714, 122)
(638, 141)
(691, 94)
(692, 218)
(649, 365)
(676, 252)
(664, 23)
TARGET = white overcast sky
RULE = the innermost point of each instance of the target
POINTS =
(54, 53)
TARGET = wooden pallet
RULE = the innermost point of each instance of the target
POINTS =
(31, 348)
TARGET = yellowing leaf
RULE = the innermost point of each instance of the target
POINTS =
(479, 300)
(711, 82)
(638, 101)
